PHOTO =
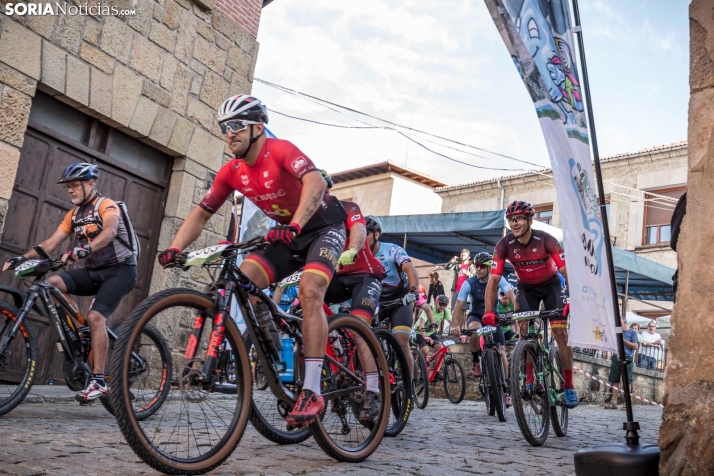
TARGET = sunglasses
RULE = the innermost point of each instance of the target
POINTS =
(517, 219)
(482, 266)
(235, 126)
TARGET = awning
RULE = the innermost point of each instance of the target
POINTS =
(438, 238)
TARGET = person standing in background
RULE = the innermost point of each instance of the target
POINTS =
(463, 269)
(436, 288)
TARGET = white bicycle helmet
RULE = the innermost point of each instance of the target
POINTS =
(243, 107)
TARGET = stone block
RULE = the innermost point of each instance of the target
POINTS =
(146, 59)
(77, 80)
(205, 149)
(253, 61)
(162, 36)
(222, 42)
(17, 80)
(172, 11)
(142, 19)
(701, 73)
(9, 160)
(206, 5)
(214, 90)
(701, 124)
(239, 85)
(68, 34)
(92, 28)
(154, 92)
(44, 25)
(126, 90)
(158, 12)
(21, 49)
(238, 60)
(100, 92)
(116, 39)
(209, 54)
(228, 74)
(178, 202)
(224, 25)
(196, 84)
(144, 116)
(245, 41)
(192, 167)
(186, 34)
(205, 30)
(54, 66)
(200, 12)
(14, 114)
(197, 67)
(181, 136)
(163, 125)
(96, 58)
(185, 4)
(168, 70)
(199, 113)
(182, 83)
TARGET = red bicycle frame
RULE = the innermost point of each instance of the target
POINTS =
(440, 355)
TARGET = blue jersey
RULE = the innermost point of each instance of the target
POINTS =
(477, 290)
(392, 257)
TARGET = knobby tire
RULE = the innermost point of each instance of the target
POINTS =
(24, 339)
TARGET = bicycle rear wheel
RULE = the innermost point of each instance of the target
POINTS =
(487, 393)
(19, 360)
(196, 429)
(454, 380)
(401, 400)
(558, 412)
(420, 380)
(529, 397)
(498, 400)
(339, 432)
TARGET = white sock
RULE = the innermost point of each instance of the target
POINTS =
(372, 382)
(313, 372)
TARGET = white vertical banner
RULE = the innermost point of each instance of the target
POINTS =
(538, 35)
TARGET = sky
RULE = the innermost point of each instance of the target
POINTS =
(441, 67)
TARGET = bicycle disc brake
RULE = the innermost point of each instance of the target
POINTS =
(192, 383)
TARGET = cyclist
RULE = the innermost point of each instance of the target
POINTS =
(359, 278)
(428, 336)
(110, 271)
(286, 291)
(402, 281)
(505, 306)
(286, 186)
(475, 287)
(537, 257)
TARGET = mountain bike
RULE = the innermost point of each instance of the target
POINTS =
(420, 379)
(537, 383)
(454, 377)
(202, 424)
(149, 361)
(492, 383)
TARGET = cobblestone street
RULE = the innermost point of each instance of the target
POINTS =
(63, 438)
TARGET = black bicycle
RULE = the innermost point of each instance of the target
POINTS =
(200, 427)
(420, 379)
(537, 380)
(149, 366)
(493, 382)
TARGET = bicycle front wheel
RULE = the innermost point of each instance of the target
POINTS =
(454, 380)
(401, 399)
(195, 430)
(498, 401)
(18, 362)
(339, 432)
(420, 381)
(558, 411)
(529, 396)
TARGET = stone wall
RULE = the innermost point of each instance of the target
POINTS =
(687, 429)
(373, 194)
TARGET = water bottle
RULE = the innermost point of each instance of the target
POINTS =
(265, 319)
(287, 356)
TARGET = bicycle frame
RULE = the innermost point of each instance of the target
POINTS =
(440, 356)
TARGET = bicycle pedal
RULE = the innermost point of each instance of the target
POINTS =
(86, 404)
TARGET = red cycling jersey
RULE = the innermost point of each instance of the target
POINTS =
(535, 262)
(365, 262)
(273, 183)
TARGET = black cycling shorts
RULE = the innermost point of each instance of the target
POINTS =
(421, 342)
(550, 293)
(498, 337)
(362, 289)
(401, 318)
(109, 285)
(316, 252)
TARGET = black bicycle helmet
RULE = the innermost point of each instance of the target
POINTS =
(483, 258)
(81, 171)
(442, 300)
(519, 207)
(243, 107)
(373, 223)
(327, 178)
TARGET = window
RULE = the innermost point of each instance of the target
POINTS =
(60, 117)
(544, 215)
(658, 215)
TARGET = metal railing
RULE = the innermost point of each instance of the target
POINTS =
(650, 358)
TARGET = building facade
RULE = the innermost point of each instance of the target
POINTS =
(135, 93)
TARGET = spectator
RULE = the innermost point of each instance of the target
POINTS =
(631, 342)
(636, 327)
(651, 345)
(463, 269)
(436, 288)
(504, 306)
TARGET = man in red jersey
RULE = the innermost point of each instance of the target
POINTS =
(285, 184)
(537, 258)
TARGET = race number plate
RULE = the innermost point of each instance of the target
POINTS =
(206, 255)
(291, 280)
(26, 268)
(482, 331)
(525, 316)
(448, 343)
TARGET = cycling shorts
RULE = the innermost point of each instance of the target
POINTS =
(421, 342)
(401, 318)
(550, 293)
(109, 285)
(498, 336)
(362, 289)
(316, 252)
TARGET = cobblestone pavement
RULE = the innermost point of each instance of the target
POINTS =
(63, 438)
